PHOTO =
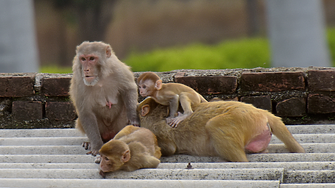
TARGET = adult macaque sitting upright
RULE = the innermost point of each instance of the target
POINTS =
(226, 128)
(169, 94)
(104, 93)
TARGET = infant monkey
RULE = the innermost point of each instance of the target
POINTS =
(170, 94)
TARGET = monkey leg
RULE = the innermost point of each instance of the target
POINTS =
(185, 102)
(226, 138)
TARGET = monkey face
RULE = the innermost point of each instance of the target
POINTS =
(146, 88)
(89, 64)
(110, 163)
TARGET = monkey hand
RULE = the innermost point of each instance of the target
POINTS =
(102, 174)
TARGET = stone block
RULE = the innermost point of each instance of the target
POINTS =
(209, 85)
(321, 80)
(12, 85)
(27, 110)
(320, 104)
(60, 111)
(293, 107)
(272, 81)
(56, 86)
(263, 102)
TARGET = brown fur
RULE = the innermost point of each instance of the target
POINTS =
(103, 92)
(169, 94)
(221, 128)
(131, 149)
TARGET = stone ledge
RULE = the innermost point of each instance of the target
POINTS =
(298, 95)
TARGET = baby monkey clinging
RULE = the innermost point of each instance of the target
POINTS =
(169, 94)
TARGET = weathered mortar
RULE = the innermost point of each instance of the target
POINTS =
(298, 95)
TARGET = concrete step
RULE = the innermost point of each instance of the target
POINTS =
(40, 141)
(176, 174)
(55, 158)
(88, 183)
(71, 132)
(308, 138)
(74, 150)
(68, 132)
(329, 165)
(33, 141)
(268, 157)
(46, 158)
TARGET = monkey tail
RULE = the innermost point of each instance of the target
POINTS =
(279, 129)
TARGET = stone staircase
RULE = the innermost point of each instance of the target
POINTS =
(55, 158)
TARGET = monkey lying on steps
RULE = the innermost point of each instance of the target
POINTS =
(169, 94)
(131, 149)
(226, 128)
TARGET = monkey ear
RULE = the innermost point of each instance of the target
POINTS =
(158, 84)
(145, 110)
(108, 51)
(125, 156)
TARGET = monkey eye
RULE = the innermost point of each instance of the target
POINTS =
(144, 87)
(106, 158)
(91, 58)
(83, 59)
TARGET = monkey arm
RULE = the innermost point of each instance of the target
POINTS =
(129, 98)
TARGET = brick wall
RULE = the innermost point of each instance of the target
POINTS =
(298, 95)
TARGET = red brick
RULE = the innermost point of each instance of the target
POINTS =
(210, 84)
(320, 104)
(321, 80)
(57, 86)
(272, 81)
(263, 102)
(27, 110)
(16, 86)
(60, 111)
(293, 107)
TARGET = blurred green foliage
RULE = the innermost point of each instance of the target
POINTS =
(55, 69)
(331, 43)
(242, 53)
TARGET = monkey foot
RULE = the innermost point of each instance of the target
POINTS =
(102, 174)
(86, 145)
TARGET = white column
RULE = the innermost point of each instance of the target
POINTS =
(297, 33)
(18, 45)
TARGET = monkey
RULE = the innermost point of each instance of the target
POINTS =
(131, 149)
(170, 94)
(227, 129)
(104, 93)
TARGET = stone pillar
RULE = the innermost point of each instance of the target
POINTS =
(18, 48)
(297, 33)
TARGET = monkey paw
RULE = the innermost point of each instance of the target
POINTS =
(86, 145)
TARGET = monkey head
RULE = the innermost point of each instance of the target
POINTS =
(91, 57)
(114, 154)
(148, 83)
